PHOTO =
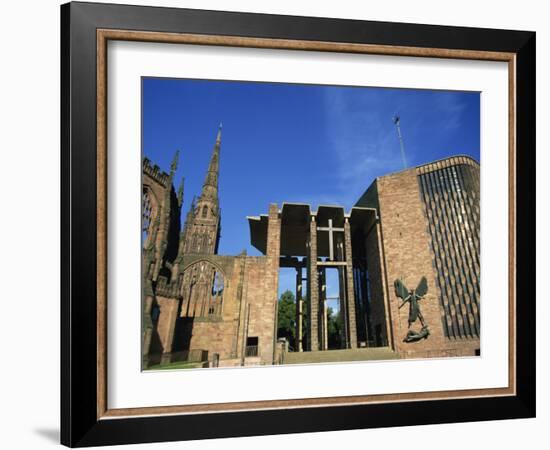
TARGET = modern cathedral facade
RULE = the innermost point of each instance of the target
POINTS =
(406, 258)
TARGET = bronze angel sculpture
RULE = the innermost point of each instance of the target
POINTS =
(412, 297)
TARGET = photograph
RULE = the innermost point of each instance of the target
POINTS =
(286, 223)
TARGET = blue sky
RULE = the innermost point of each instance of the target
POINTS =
(301, 143)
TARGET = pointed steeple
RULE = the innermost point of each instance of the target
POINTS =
(202, 226)
(210, 186)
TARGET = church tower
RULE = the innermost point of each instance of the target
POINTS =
(202, 226)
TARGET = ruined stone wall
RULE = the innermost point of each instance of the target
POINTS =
(249, 281)
(166, 322)
(213, 334)
(213, 337)
(262, 301)
(163, 233)
(262, 289)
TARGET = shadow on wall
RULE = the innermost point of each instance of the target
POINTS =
(49, 434)
(183, 333)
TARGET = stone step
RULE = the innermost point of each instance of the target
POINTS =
(359, 354)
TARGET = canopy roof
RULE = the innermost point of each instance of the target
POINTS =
(295, 224)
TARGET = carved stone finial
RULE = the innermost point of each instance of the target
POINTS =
(174, 165)
(180, 192)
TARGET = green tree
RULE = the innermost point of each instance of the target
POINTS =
(286, 316)
(334, 325)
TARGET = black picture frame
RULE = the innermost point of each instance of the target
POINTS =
(80, 425)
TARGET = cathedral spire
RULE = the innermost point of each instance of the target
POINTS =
(202, 226)
(219, 136)
(210, 186)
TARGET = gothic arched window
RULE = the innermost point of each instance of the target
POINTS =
(202, 290)
(147, 215)
(204, 211)
(147, 211)
(217, 284)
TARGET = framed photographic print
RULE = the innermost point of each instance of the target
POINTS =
(276, 224)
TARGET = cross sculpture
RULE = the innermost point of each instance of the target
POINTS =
(331, 230)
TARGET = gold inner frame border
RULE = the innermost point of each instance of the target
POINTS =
(104, 35)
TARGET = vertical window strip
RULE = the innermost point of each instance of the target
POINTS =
(427, 197)
(472, 251)
(448, 243)
(440, 261)
(473, 227)
(453, 214)
(441, 235)
(449, 215)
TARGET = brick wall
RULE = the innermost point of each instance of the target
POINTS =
(378, 295)
(261, 296)
(407, 255)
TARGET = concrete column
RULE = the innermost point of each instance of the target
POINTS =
(273, 253)
(325, 325)
(323, 304)
(350, 294)
(313, 287)
(274, 233)
(343, 294)
(298, 342)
